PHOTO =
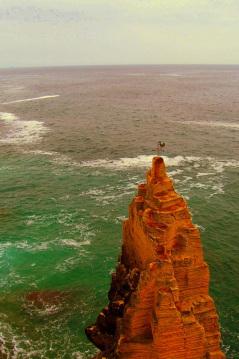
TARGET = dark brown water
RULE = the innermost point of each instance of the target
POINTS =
(122, 111)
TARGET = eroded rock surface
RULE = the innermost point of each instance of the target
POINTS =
(159, 306)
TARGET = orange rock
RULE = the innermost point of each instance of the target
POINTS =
(159, 306)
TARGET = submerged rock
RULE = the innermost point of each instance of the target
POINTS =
(159, 306)
(45, 303)
(47, 297)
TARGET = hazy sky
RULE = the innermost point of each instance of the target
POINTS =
(78, 32)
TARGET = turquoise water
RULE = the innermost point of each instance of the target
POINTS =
(61, 230)
(69, 167)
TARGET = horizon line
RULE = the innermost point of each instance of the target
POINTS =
(115, 65)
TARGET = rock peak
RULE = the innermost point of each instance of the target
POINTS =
(159, 306)
(158, 169)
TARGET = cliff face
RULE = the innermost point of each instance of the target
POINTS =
(159, 307)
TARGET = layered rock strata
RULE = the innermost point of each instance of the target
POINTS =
(159, 306)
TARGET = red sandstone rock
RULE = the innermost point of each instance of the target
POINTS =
(159, 307)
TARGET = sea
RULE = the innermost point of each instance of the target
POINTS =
(74, 144)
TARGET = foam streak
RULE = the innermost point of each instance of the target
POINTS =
(232, 125)
(30, 99)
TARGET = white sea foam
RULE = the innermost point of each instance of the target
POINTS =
(137, 74)
(199, 167)
(24, 132)
(144, 161)
(7, 116)
(39, 152)
(199, 185)
(69, 263)
(175, 172)
(171, 75)
(232, 125)
(127, 162)
(186, 179)
(207, 167)
(25, 246)
(93, 192)
(132, 186)
(73, 243)
(217, 189)
(21, 132)
(15, 343)
(124, 163)
(120, 219)
(202, 229)
(219, 166)
(203, 174)
(30, 99)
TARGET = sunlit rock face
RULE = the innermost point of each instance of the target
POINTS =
(159, 307)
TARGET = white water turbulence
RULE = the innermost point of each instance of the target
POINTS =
(30, 99)
(127, 162)
(203, 173)
(204, 166)
(143, 161)
(6, 116)
(21, 132)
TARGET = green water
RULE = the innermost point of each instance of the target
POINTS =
(60, 229)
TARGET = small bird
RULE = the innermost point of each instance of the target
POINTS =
(160, 146)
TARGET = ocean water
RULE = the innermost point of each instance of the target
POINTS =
(74, 144)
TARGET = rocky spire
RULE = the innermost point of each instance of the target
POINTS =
(159, 306)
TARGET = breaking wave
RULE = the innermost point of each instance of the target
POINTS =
(127, 162)
(205, 166)
(21, 132)
(143, 161)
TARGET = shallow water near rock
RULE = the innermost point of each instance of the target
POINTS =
(67, 178)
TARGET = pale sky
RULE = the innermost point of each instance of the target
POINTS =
(90, 32)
